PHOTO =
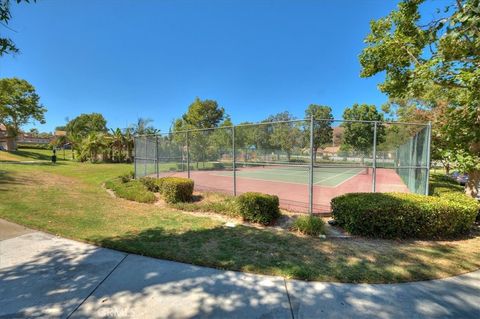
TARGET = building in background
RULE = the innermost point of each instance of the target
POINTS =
(7, 141)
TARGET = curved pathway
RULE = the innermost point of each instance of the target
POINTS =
(46, 276)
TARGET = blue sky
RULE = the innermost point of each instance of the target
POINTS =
(151, 58)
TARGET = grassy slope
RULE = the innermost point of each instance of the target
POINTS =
(68, 200)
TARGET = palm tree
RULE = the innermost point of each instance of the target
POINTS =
(92, 145)
(129, 143)
(117, 143)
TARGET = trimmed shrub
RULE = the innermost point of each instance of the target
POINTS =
(258, 207)
(399, 215)
(446, 187)
(131, 190)
(218, 165)
(175, 189)
(309, 225)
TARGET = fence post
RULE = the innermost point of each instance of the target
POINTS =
(374, 163)
(188, 158)
(310, 181)
(156, 156)
(429, 140)
(134, 156)
(234, 162)
(146, 158)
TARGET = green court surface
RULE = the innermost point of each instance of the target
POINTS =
(325, 176)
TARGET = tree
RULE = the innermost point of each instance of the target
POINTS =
(200, 115)
(82, 126)
(92, 145)
(286, 134)
(360, 135)
(434, 63)
(143, 127)
(322, 126)
(6, 44)
(19, 104)
(203, 114)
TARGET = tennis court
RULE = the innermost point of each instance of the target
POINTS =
(323, 176)
(276, 158)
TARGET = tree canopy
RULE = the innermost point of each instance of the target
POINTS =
(19, 104)
(358, 135)
(322, 126)
(432, 65)
(7, 46)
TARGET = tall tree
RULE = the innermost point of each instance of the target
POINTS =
(360, 135)
(286, 134)
(434, 63)
(322, 126)
(19, 104)
(6, 44)
(203, 114)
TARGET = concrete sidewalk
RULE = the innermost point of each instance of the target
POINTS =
(46, 276)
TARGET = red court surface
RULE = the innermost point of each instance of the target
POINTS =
(294, 196)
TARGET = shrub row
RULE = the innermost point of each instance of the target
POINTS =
(399, 215)
(172, 189)
(258, 207)
(131, 190)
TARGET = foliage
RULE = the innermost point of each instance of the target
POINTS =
(258, 207)
(6, 44)
(144, 127)
(92, 146)
(202, 114)
(84, 124)
(358, 135)
(400, 215)
(285, 135)
(322, 130)
(131, 190)
(433, 66)
(176, 189)
(127, 177)
(224, 204)
(19, 104)
(309, 225)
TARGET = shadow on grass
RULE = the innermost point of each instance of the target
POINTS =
(281, 253)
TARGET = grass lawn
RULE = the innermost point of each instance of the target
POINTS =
(33, 154)
(68, 200)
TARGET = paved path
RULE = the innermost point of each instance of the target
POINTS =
(46, 276)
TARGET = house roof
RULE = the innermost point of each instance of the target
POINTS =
(60, 133)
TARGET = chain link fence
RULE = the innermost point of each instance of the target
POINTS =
(305, 163)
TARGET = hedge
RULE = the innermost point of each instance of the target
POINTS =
(258, 207)
(175, 189)
(131, 190)
(172, 189)
(400, 215)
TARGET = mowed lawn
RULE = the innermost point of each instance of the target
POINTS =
(68, 200)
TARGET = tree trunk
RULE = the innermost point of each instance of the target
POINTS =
(471, 188)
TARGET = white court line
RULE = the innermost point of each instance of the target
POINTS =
(339, 174)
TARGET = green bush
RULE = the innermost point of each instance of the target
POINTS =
(309, 225)
(127, 177)
(176, 189)
(446, 187)
(399, 215)
(152, 184)
(258, 207)
(131, 190)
